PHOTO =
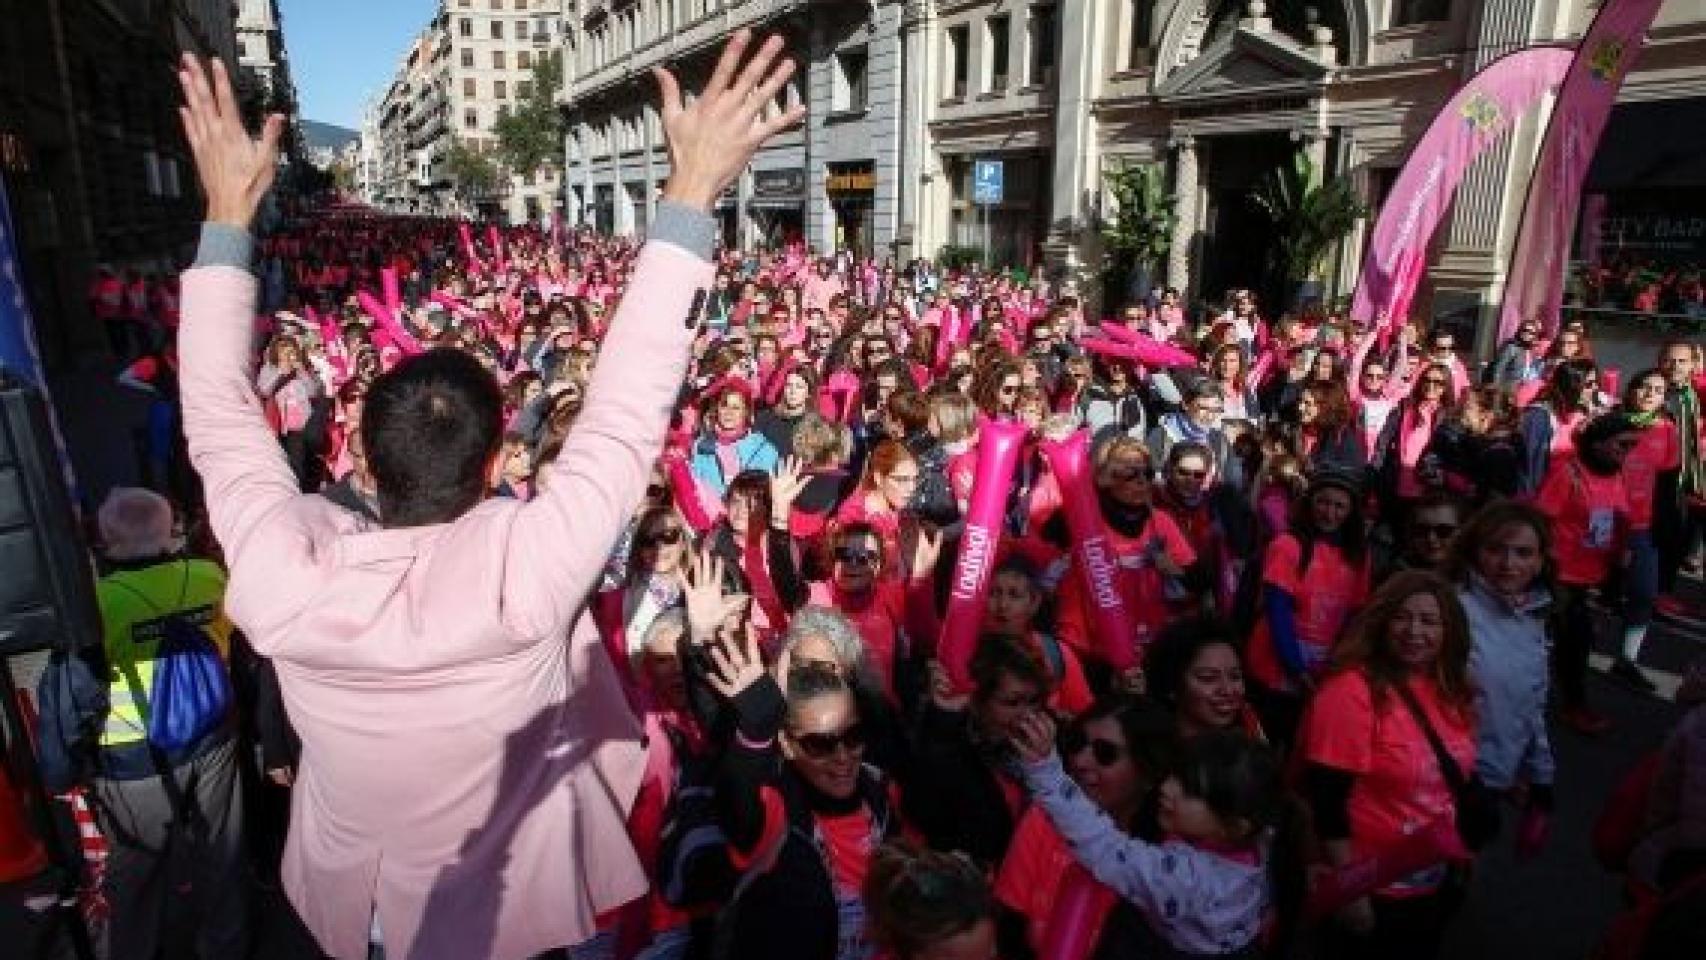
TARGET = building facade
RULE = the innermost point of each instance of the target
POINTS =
(833, 182)
(473, 61)
(1219, 93)
(91, 151)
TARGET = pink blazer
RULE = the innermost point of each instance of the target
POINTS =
(468, 756)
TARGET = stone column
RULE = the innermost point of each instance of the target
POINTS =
(1076, 151)
(920, 70)
(1185, 188)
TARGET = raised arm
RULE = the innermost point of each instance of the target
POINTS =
(240, 462)
(559, 542)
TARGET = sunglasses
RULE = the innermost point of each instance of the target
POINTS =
(1436, 382)
(853, 557)
(1438, 531)
(822, 746)
(656, 491)
(1008, 391)
(1106, 753)
(1127, 474)
(670, 537)
(1190, 474)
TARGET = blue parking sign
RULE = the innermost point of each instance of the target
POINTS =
(988, 181)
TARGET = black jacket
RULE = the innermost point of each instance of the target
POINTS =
(953, 791)
(787, 909)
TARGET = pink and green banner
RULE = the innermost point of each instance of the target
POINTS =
(1477, 117)
(1535, 287)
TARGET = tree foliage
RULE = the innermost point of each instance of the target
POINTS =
(1310, 216)
(530, 136)
(1140, 230)
(474, 173)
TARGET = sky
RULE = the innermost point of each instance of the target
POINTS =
(342, 52)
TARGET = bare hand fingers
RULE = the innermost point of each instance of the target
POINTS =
(763, 130)
(730, 61)
(773, 83)
(224, 99)
(757, 68)
(669, 89)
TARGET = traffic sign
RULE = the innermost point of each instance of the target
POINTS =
(988, 181)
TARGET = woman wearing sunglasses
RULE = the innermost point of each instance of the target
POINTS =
(1117, 753)
(652, 582)
(803, 814)
(1216, 520)
(1157, 565)
(888, 611)
(1398, 454)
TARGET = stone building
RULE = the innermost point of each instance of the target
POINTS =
(1219, 93)
(472, 61)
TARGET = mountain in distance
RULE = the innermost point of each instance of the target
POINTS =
(325, 136)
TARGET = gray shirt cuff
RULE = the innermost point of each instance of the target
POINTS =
(692, 230)
(223, 245)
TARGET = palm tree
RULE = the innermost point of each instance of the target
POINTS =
(1310, 217)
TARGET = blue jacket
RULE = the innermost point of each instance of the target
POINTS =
(1508, 661)
(753, 452)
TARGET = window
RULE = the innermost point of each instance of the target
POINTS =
(500, 90)
(497, 4)
(469, 87)
(1042, 40)
(467, 56)
(851, 91)
(465, 27)
(498, 60)
(1408, 12)
(523, 89)
(959, 60)
(470, 118)
(1000, 45)
(1137, 32)
(497, 29)
(524, 59)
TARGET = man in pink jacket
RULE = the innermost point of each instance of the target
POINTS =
(468, 758)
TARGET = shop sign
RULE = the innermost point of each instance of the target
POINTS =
(773, 184)
(858, 181)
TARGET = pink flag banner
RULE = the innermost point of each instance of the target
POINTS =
(1535, 287)
(1477, 117)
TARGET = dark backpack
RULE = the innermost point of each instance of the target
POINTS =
(73, 704)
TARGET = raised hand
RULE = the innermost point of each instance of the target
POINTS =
(926, 551)
(736, 666)
(235, 169)
(785, 488)
(1033, 737)
(712, 140)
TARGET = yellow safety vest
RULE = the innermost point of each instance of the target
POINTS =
(134, 607)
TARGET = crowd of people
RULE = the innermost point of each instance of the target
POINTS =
(706, 589)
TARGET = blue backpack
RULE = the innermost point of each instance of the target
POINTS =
(191, 691)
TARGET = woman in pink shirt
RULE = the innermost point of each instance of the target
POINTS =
(1589, 506)
(1657, 450)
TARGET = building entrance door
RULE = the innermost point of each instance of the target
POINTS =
(1239, 243)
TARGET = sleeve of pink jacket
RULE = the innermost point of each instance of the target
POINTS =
(561, 540)
(243, 469)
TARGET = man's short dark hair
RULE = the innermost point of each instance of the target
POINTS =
(431, 426)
